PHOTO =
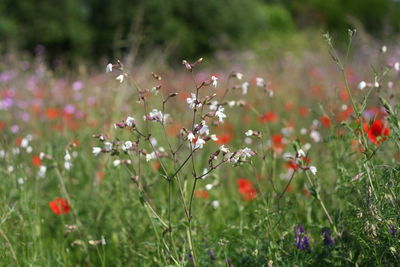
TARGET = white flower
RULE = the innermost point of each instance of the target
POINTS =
(21, 180)
(303, 131)
(313, 170)
(205, 174)
(157, 115)
(15, 151)
(301, 153)
(397, 66)
(213, 137)
(120, 78)
(239, 75)
(116, 162)
(67, 156)
(153, 141)
(2, 154)
(224, 149)
(245, 88)
(220, 114)
(249, 133)
(190, 137)
(376, 85)
(130, 121)
(96, 150)
(126, 146)
(108, 146)
(154, 90)
(209, 187)
(233, 160)
(214, 81)
(315, 136)
(384, 49)
(260, 82)
(248, 141)
(151, 156)
(109, 67)
(215, 204)
(362, 85)
(204, 129)
(10, 169)
(307, 146)
(67, 165)
(199, 143)
(247, 152)
(231, 103)
(214, 105)
(29, 149)
(42, 171)
(192, 101)
(24, 142)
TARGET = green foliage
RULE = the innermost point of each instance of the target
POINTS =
(92, 28)
(376, 16)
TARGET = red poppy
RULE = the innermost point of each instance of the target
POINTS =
(326, 122)
(289, 105)
(60, 206)
(344, 95)
(344, 114)
(377, 132)
(246, 119)
(277, 143)
(18, 141)
(316, 90)
(99, 176)
(224, 139)
(75, 143)
(201, 194)
(268, 117)
(156, 165)
(2, 125)
(292, 165)
(246, 189)
(304, 111)
(36, 161)
(52, 113)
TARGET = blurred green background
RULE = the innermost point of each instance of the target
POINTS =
(89, 29)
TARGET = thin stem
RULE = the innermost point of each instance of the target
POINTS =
(287, 185)
(318, 197)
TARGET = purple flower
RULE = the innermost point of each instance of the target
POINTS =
(300, 238)
(392, 230)
(328, 239)
(69, 109)
(77, 85)
(212, 254)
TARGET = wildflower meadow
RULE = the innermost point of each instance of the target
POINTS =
(221, 161)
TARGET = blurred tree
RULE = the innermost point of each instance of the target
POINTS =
(76, 29)
(378, 17)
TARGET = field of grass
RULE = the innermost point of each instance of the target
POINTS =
(290, 162)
